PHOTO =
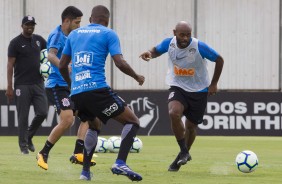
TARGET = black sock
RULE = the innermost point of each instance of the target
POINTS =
(47, 147)
(128, 134)
(79, 145)
(182, 146)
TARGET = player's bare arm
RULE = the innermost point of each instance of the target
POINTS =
(217, 72)
(126, 68)
(63, 67)
(150, 54)
(10, 71)
(52, 57)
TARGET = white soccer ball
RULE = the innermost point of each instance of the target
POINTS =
(43, 56)
(114, 144)
(136, 146)
(247, 161)
(45, 69)
(102, 145)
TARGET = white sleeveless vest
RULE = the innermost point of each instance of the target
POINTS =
(186, 67)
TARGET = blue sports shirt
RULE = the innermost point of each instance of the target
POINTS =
(56, 40)
(89, 47)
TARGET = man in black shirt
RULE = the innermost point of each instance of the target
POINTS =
(24, 63)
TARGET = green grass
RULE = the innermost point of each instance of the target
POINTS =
(213, 162)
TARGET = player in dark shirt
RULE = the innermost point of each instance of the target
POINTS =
(28, 89)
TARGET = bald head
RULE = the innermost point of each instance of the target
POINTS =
(183, 32)
(183, 26)
(100, 15)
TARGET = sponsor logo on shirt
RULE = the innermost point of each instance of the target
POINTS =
(183, 71)
(83, 58)
(82, 75)
(89, 31)
(90, 85)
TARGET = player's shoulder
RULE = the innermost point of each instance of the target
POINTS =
(56, 31)
(15, 39)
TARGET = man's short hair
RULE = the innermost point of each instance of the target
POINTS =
(71, 12)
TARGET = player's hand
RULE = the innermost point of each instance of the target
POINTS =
(10, 94)
(140, 79)
(212, 90)
(146, 56)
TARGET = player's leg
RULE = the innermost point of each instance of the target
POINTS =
(131, 126)
(64, 106)
(190, 133)
(91, 139)
(176, 106)
(39, 101)
(175, 113)
(66, 117)
(194, 115)
(23, 102)
(77, 156)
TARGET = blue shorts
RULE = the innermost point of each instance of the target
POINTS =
(194, 103)
(102, 103)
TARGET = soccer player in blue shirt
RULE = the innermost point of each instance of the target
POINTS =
(189, 84)
(58, 92)
(88, 48)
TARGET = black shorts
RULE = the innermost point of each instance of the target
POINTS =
(102, 103)
(194, 103)
(59, 97)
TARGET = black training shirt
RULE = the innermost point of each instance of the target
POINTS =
(27, 54)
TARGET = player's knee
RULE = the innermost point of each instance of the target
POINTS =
(173, 114)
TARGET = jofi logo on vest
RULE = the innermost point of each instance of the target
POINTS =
(83, 58)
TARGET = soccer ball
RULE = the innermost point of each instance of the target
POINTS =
(102, 145)
(43, 56)
(114, 144)
(45, 69)
(136, 146)
(247, 161)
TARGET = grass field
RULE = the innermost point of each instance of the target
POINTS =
(213, 162)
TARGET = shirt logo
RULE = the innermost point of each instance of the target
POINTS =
(38, 43)
(83, 58)
(178, 58)
(183, 71)
(82, 75)
(23, 46)
(192, 51)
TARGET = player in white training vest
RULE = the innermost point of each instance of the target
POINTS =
(189, 84)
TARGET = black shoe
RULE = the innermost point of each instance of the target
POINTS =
(180, 158)
(30, 146)
(183, 158)
(173, 166)
(24, 151)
